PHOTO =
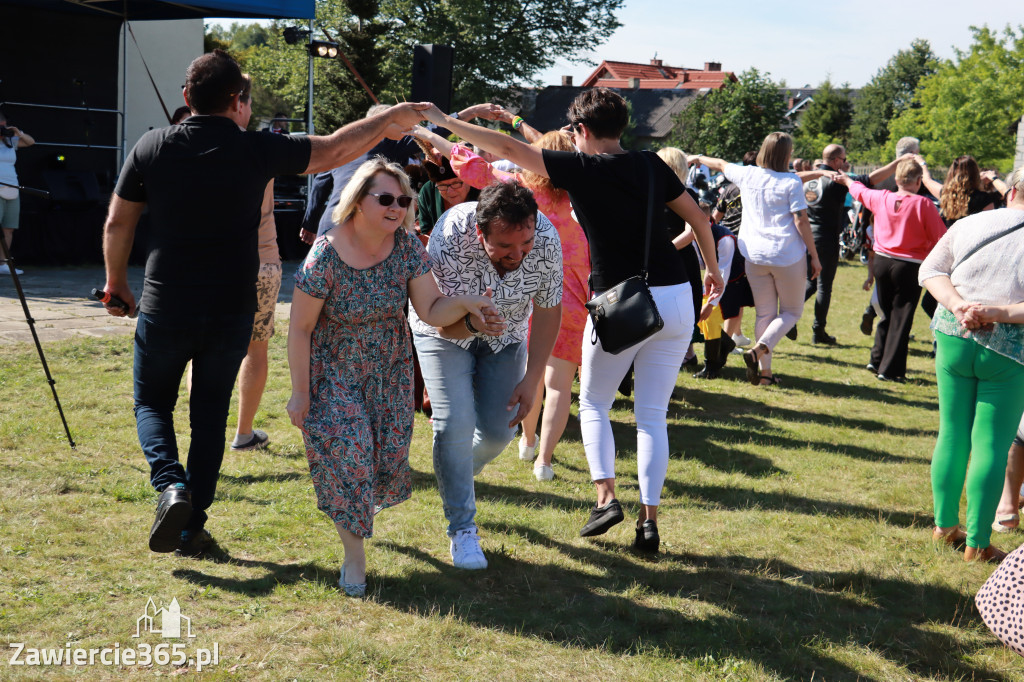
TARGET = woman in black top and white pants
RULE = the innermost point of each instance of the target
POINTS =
(608, 189)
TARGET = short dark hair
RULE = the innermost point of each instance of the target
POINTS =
(212, 80)
(750, 158)
(507, 201)
(180, 114)
(603, 112)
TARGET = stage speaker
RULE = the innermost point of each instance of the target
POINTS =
(432, 75)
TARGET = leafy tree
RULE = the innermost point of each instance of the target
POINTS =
(888, 94)
(828, 117)
(729, 122)
(971, 103)
(498, 44)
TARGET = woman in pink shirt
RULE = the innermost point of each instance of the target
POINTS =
(907, 226)
(568, 351)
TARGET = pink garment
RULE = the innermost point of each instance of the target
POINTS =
(906, 227)
(575, 249)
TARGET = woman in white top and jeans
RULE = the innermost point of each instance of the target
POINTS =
(774, 240)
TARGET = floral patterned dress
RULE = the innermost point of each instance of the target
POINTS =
(360, 381)
(575, 248)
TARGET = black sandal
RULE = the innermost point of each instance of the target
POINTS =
(753, 371)
(771, 380)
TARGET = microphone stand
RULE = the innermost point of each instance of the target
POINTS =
(28, 316)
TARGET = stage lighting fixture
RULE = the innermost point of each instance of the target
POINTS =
(323, 48)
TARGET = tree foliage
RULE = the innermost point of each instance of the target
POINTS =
(971, 103)
(499, 44)
(729, 122)
(886, 96)
(828, 117)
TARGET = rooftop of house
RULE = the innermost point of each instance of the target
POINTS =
(656, 76)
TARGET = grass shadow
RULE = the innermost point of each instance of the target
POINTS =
(734, 498)
(775, 614)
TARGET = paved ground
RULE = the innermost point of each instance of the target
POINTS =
(58, 300)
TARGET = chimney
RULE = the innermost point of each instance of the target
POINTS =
(567, 81)
(656, 62)
(633, 83)
(712, 66)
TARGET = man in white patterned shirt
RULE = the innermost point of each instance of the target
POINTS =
(482, 386)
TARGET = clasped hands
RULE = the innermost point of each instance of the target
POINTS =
(975, 316)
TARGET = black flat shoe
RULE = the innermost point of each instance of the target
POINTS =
(173, 510)
(601, 519)
(647, 538)
(706, 373)
(822, 339)
(753, 371)
(198, 545)
(793, 333)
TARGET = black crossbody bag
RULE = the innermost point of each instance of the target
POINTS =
(626, 314)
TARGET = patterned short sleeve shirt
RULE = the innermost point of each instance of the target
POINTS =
(461, 266)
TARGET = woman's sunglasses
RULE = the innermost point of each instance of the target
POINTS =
(385, 199)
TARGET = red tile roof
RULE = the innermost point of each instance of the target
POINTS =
(656, 76)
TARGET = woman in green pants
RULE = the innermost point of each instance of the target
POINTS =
(975, 273)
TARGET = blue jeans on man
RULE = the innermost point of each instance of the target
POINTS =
(469, 393)
(216, 345)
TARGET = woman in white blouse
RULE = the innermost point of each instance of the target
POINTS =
(775, 241)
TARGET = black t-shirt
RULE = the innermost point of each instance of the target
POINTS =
(203, 181)
(609, 196)
(825, 206)
(977, 203)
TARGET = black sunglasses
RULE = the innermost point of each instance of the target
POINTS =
(385, 199)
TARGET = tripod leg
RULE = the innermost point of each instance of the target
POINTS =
(35, 337)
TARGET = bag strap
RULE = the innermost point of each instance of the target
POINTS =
(650, 212)
(985, 242)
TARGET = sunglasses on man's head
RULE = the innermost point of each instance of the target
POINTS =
(385, 199)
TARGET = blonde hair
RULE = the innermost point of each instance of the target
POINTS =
(963, 178)
(358, 188)
(908, 171)
(775, 152)
(557, 141)
(1016, 181)
(675, 159)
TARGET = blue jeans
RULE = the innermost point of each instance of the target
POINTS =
(164, 344)
(469, 392)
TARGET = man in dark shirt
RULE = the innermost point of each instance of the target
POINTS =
(826, 204)
(203, 182)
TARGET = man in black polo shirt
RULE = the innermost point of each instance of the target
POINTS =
(826, 202)
(203, 181)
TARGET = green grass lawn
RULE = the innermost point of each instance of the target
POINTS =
(795, 530)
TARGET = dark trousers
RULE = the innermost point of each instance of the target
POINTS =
(898, 292)
(828, 254)
(164, 344)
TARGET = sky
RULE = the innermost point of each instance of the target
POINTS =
(799, 42)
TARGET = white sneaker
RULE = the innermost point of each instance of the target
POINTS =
(527, 453)
(543, 472)
(741, 340)
(466, 552)
(6, 270)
